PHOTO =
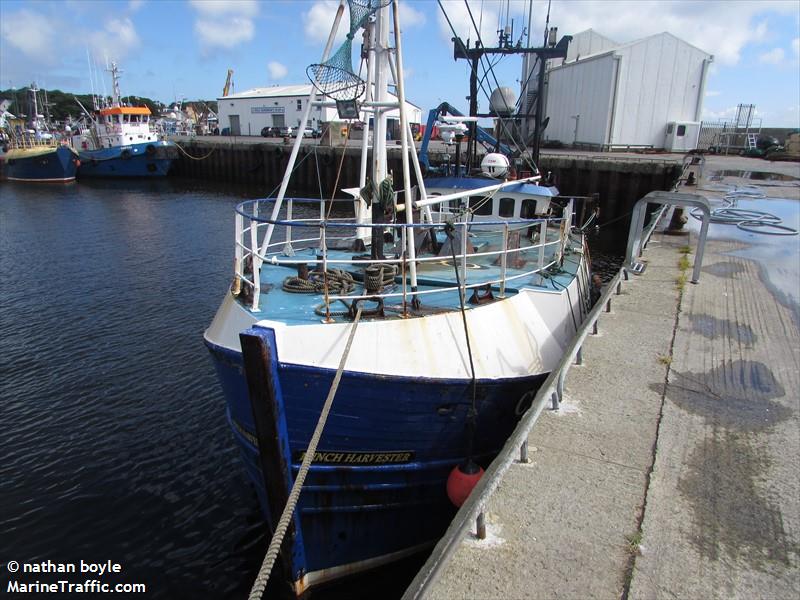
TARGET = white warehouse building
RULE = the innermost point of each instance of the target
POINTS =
(247, 113)
(646, 93)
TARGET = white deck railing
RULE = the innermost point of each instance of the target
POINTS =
(494, 240)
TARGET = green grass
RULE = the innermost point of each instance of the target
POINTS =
(665, 360)
(685, 250)
(683, 263)
(680, 282)
(634, 541)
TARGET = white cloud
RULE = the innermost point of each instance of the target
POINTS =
(31, 33)
(224, 24)
(115, 41)
(223, 8)
(773, 57)
(276, 70)
(410, 17)
(319, 19)
(718, 27)
(134, 5)
(796, 47)
(711, 94)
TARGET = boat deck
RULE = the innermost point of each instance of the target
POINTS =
(436, 282)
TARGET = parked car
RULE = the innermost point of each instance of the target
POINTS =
(308, 132)
(271, 132)
(285, 131)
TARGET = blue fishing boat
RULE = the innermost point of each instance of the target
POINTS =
(121, 141)
(35, 154)
(40, 161)
(366, 360)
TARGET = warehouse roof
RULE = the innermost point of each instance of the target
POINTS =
(281, 91)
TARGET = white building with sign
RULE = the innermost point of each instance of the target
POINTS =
(247, 113)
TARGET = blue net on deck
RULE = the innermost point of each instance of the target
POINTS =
(335, 77)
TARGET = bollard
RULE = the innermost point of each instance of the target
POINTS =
(608, 306)
(594, 327)
(619, 288)
(579, 356)
(481, 526)
(555, 401)
(523, 452)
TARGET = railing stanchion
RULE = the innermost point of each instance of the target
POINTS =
(463, 290)
(608, 305)
(594, 327)
(523, 452)
(237, 267)
(579, 356)
(323, 241)
(542, 242)
(256, 260)
(619, 288)
(503, 261)
(480, 526)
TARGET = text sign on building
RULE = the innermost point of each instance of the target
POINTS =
(267, 109)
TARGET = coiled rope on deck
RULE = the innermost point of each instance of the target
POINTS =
(260, 583)
(338, 282)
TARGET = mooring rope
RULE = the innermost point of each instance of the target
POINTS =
(260, 583)
(179, 147)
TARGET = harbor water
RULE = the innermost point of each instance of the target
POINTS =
(114, 439)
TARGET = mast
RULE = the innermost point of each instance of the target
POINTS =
(116, 99)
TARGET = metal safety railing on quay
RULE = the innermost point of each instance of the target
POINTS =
(515, 450)
(552, 390)
(253, 250)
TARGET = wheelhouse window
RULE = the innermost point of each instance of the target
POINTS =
(528, 210)
(481, 205)
(506, 207)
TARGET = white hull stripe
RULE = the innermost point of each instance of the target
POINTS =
(52, 180)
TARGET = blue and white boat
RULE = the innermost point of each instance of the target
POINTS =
(412, 335)
(35, 154)
(121, 141)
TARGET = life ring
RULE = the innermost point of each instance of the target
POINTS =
(150, 150)
(125, 154)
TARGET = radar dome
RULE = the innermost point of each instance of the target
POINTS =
(495, 165)
(503, 101)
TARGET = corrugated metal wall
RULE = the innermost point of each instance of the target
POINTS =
(660, 80)
(584, 88)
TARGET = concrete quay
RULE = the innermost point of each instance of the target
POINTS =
(671, 469)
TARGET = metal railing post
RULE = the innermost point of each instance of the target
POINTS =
(542, 242)
(256, 260)
(503, 261)
(238, 252)
(463, 290)
(523, 452)
(480, 526)
(579, 356)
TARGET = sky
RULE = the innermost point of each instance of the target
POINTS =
(173, 49)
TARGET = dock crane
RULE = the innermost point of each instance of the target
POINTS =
(228, 83)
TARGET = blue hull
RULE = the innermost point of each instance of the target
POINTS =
(377, 487)
(58, 165)
(152, 159)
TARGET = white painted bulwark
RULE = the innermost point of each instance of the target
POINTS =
(626, 95)
(247, 113)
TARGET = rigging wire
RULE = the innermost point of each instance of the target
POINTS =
(509, 135)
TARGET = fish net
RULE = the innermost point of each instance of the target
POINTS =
(335, 77)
